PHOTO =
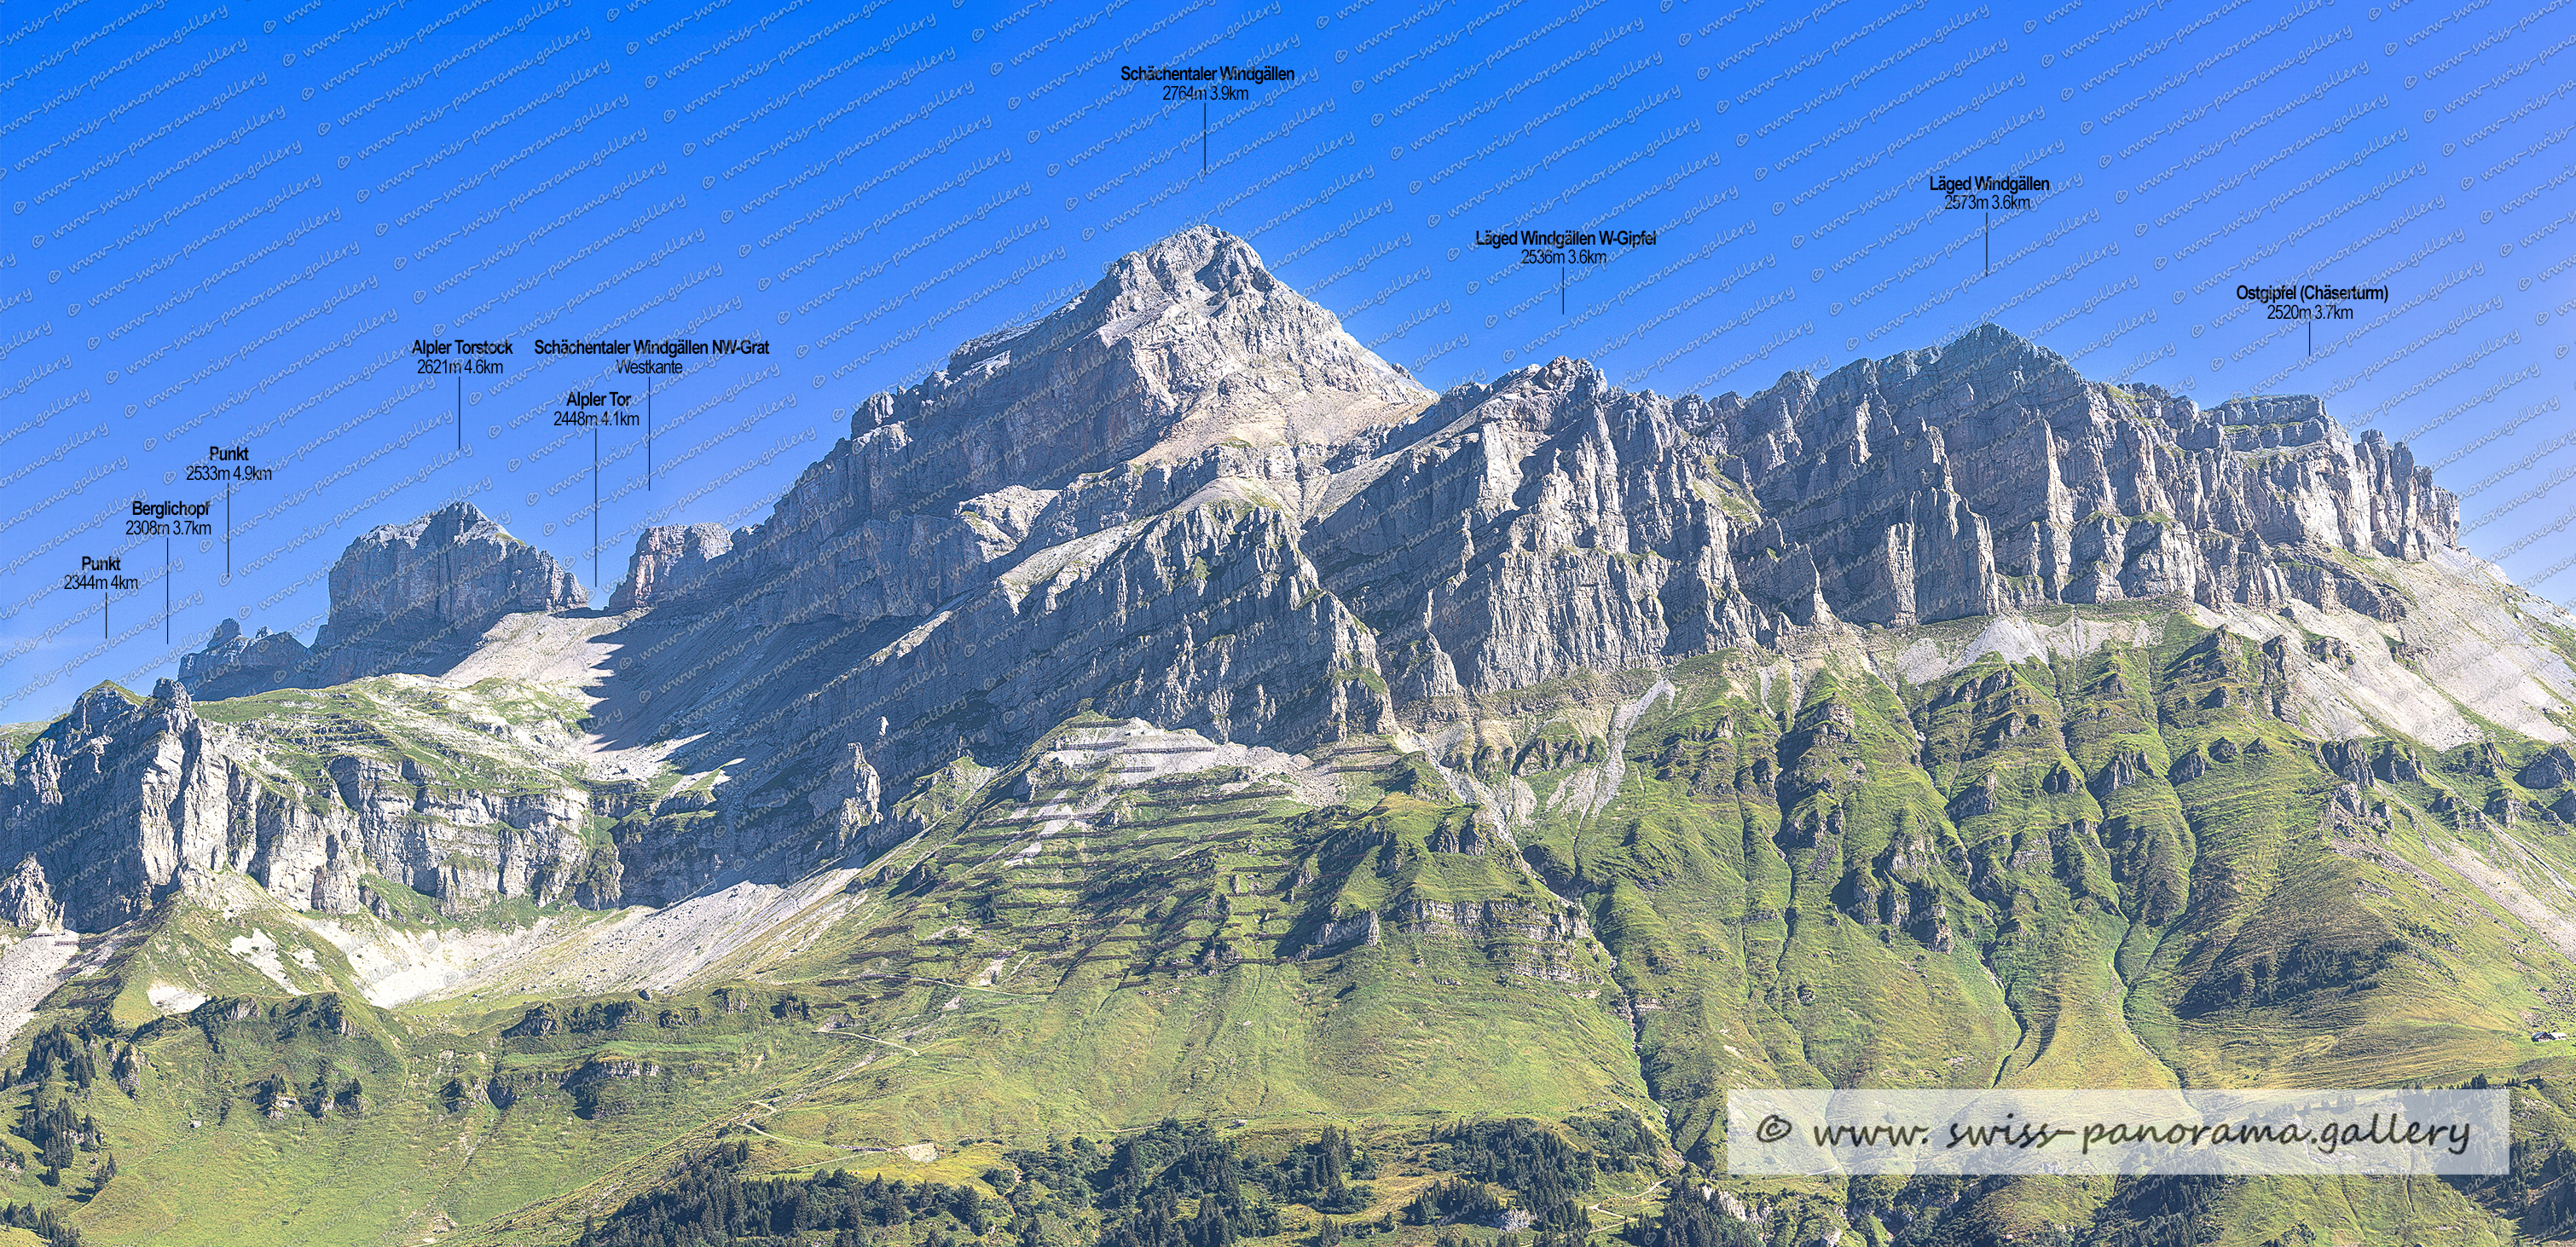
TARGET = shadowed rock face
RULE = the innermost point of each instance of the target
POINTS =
(234, 665)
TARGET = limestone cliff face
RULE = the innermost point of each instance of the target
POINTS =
(1189, 498)
(668, 559)
(404, 592)
(114, 803)
(1547, 523)
(1986, 475)
(410, 597)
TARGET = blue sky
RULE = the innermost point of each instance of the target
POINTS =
(231, 223)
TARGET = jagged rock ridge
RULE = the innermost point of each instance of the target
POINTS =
(1168, 692)
(1188, 497)
(122, 799)
(404, 597)
(1042, 524)
(1988, 475)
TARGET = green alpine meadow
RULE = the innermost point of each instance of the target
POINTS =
(1169, 779)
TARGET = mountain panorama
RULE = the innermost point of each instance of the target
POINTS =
(1169, 778)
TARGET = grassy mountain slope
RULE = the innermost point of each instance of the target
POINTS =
(2126, 861)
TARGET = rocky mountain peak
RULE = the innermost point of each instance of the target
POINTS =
(1235, 355)
(1990, 347)
(1994, 458)
(1186, 363)
(428, 588)
(404, 597)
(99, 710)
(1189, 497)
(1180, 347)
(451, 568)
(233, 664)
(1092, 472)
(1199, 262)
(1556, 383)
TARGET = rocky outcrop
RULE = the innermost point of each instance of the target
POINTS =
(668, 559)
(1188, 497)
(26, 901)
(234, 665)
(120, 800)
(410, 597)
(404, 596)
(1360, 930)
(2550, 768)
